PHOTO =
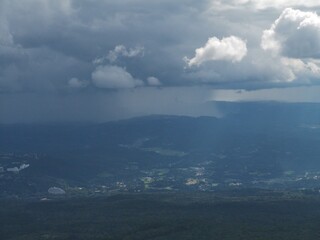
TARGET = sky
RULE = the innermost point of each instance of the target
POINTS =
(101, 60)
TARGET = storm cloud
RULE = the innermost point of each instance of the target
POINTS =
(82, 51)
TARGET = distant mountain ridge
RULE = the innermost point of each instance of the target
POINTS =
(252, 143)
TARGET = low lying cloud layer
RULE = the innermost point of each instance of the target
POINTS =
(101, 107)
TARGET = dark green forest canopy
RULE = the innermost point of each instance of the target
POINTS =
(165, 216)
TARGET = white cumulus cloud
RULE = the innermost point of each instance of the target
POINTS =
(153, 81)
(294, 41)
(114, 77)
(294, 34)
(230, 48)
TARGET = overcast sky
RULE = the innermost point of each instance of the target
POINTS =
(99, 60)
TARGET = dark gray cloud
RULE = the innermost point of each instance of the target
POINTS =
(83, 31)
(77, 52)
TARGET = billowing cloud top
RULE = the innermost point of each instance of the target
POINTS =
(83, 49)
(294, 34)
(229, 49)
